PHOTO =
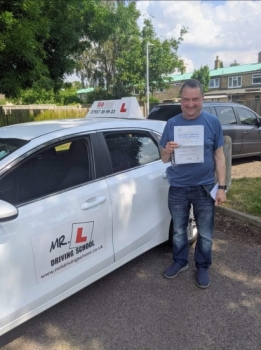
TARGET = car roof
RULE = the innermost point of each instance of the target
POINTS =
(32, 130)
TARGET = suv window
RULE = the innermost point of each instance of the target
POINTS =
(164, 112)
(246, 116)
(131, 149)
(226, 115)
(48, 171)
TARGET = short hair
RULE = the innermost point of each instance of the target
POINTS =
(193, 84)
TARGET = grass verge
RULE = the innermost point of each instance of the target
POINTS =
(245, 195)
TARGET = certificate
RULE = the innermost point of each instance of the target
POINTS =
(191, 144)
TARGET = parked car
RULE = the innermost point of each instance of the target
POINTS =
(238, 122)
(78, 199)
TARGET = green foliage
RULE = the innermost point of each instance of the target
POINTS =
(25, 115)
(153, 99)
(118, 64)
(43, 41)
(235, 63)
(65, 96)
(202, 75)
(98, 94)
(38, 40)
(60, 114)
(245, 196)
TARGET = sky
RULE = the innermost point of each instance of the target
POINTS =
(228, 29)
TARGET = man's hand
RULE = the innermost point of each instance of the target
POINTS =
(168, 151)
(220, 197)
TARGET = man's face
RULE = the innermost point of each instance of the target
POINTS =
(191, 102)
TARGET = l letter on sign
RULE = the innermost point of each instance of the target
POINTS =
(79, 237)
(123, 109)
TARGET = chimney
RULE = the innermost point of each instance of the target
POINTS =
(259, 57)
(217, 63)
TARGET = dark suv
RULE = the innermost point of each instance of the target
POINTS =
(239, 122)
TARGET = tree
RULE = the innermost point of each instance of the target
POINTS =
(203, 76)
(38, 40)
(235, 63)
(119, 63)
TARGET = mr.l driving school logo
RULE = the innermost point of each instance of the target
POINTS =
(82, 235)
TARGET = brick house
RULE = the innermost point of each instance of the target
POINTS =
(240, 83)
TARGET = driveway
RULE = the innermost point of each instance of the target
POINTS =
(136, 308)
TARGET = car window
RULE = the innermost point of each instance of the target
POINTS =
(164, 112)
(226, 115)
(131, 149)
(206, 109)
(246, 116)
(48, 171)
(7, 146)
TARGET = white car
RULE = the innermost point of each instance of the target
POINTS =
(78, 199)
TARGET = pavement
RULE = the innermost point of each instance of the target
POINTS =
(251, 219)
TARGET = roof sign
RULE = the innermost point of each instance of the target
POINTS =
(126, 107)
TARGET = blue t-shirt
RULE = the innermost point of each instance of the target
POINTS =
(195, 174)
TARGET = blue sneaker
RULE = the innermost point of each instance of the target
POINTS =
(174, 270)
(202, 277)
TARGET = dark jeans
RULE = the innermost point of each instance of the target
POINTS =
(180, 199)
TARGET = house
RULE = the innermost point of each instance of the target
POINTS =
(82, 94)
(240, 83)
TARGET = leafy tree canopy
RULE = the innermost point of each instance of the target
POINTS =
(118, 64)
(42, 41)
(235, 63)
(38, 39)
(203, 76)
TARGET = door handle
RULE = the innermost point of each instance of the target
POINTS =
(246, 132)
(93, 202)
(164, 176)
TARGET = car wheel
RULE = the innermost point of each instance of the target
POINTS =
(192, 230)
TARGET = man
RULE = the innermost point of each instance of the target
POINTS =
(191, 183)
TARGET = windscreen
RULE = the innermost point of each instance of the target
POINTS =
(8, 146)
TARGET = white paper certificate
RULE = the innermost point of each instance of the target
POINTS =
(191, 144)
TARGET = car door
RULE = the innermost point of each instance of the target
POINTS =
(230, 127)
(62, 238)
(138, 191)
(251, 131)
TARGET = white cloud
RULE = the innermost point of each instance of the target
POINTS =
(228, 29)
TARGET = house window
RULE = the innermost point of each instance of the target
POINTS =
(136, 91)
(256, 78)
(160, 90)
(234, 82)
(214, 83)
(257, 97)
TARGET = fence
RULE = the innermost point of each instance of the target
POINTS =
(27, 113)
(21, 114)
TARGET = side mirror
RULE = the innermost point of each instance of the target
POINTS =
(7, 211)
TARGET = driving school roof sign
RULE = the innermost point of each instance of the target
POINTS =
(126, 107)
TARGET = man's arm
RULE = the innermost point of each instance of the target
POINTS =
(168, 151)
(220, 166)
